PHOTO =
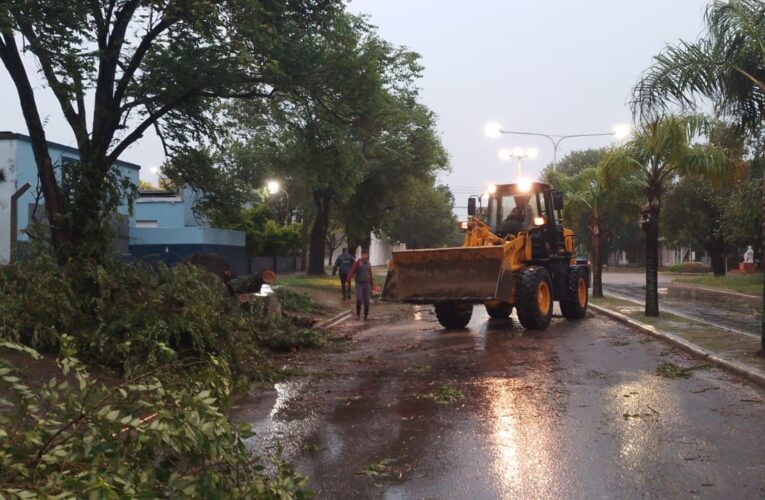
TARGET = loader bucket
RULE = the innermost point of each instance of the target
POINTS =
(467, 274)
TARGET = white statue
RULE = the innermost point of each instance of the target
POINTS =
(749, 255)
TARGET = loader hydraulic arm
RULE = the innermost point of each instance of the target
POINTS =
(479, 234)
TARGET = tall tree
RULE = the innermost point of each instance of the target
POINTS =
(425, 219)
(121, 67)
(659, 152)
(692, 217)
(726, 65)
(400, 164)
(349, 135)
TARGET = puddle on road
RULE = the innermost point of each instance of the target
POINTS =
(279, 419)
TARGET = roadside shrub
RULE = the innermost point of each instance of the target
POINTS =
(695, 267)
(689, 267)
(141, 438)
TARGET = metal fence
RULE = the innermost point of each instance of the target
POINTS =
(279, 264)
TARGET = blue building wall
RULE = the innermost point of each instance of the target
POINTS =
(166, 212)
(26, 171)
(172, 244)
(178, 232)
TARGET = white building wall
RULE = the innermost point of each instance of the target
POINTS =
(381, 250)
(7, 188)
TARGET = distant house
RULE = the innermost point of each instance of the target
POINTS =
(162, 227)
(380, 250)
(167, 229)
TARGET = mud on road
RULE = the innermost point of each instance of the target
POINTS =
(404, 409)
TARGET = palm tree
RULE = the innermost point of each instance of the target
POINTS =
(659, 152)
(726, 65)
(585, 194)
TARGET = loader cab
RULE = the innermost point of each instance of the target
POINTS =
(526, 207)
(514, 208)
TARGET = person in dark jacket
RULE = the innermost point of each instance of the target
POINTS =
(343, 263)
(362, 269)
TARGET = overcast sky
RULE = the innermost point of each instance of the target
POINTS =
(553, 66)
(550, 66)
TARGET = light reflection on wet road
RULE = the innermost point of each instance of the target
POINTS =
(573, 412)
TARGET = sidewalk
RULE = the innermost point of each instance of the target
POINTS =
(734, 351)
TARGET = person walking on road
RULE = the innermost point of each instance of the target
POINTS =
(362, 269)
(343, 263)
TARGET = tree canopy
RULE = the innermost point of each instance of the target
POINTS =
(120, 67)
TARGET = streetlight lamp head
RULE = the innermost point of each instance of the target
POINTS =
(154, 170)
(622, 130)
(532, 153)
(273, 187)
(505, 154)
(493, 130)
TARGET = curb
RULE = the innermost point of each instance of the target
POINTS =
(334, 320)
(714, 290)
(752, 374)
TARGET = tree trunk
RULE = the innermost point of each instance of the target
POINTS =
(650, 213)
(319, 232)
(597, 261)
(762, 311)
(90, 229)
(304, 244)
(53, 202)
(717, 255)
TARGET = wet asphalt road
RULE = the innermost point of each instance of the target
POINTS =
(576, 411)
(737, 313)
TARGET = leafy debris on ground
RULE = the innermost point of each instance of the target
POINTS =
(381, 468)
(445, 395)
(417, 369)
(671, 370)
(313, 447)
(619, 343)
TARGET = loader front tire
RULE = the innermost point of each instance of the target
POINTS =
(575, 305)
(453, 315)
(499, 310)
(534, 298)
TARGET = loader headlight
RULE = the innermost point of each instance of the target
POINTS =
(491, 188)
(539, 221)
(463, 225)
(524, 185)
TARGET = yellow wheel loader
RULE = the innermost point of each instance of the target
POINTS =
(516, 254)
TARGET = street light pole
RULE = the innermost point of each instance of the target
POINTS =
(495, 130)
(519, 154)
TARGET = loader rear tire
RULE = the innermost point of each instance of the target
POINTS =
(499, 310)
(534, 298)
(453, 315)
(575, 305)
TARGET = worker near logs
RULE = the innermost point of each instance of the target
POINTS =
(343, 263)
(362, 269)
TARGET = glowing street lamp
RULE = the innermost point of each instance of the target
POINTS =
(273, 187)
(494, 130)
